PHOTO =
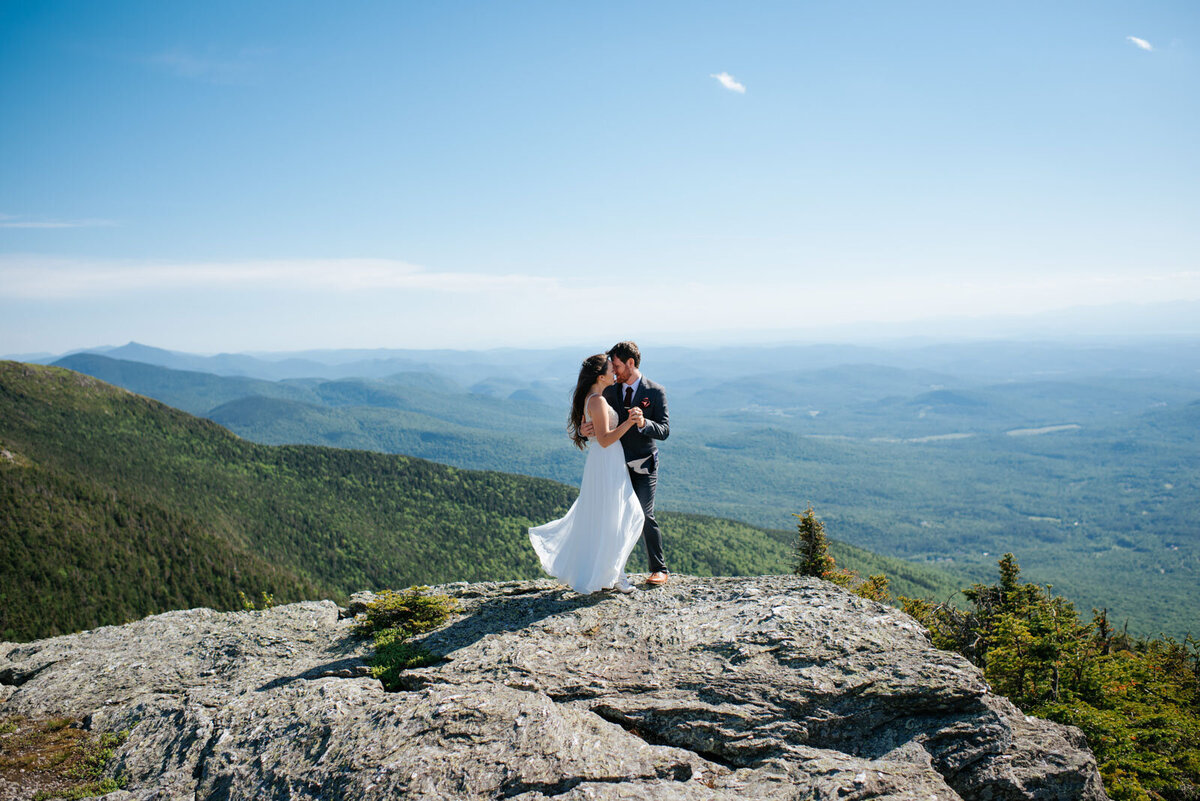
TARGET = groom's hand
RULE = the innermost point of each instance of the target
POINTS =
(639, 420)
(587, 429)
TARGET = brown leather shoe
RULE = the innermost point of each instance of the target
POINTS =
(656, 578)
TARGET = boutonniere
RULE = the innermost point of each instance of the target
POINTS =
(645, 403)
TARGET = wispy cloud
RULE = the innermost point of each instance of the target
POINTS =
(42, 277)
(13, 221)
(1142, 43)
(282, 305)
(729, 82)
(241, 67)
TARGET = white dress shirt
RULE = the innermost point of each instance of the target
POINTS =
(634, 386)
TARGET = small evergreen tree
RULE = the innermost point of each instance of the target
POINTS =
(812, 548)
(813, 559)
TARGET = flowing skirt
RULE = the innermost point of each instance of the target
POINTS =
(587, 549)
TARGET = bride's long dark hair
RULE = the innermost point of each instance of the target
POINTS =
(592, 368)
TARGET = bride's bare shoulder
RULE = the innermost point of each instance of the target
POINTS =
(598, 404)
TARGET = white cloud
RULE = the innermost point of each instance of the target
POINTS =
(729, 82)
(55, 304)
(39, 277)
(1142, 43)
(12, 221)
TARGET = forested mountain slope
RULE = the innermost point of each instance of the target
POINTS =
(115, 506)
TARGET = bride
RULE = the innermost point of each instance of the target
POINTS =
(587, 549)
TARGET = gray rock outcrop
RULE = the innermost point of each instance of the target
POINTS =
(708, 688)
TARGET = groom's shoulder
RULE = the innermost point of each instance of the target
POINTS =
(652, 385)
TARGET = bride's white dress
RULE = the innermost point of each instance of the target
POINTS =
(587, 549)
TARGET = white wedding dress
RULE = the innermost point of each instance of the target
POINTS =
(587, 549)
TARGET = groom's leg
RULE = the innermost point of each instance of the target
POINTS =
(643, 487)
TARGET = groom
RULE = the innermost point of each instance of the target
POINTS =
(634, 395)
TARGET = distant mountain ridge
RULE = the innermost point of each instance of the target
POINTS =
(995, 359)
(467, 367)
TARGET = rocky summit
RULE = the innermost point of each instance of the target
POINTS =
(773, 687)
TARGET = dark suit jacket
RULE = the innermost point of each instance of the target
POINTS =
(653, 401)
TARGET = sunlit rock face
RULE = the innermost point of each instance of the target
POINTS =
(706, 688)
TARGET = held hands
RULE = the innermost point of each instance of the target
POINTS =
(635, 416)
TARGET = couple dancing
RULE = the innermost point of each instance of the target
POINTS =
(622, 412)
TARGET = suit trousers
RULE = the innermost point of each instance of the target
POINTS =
(643, 487)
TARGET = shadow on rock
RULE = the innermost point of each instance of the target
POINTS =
(501, 615)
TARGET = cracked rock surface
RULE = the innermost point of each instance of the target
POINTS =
(707, 688)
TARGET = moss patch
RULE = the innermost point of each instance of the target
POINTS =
(57, 758)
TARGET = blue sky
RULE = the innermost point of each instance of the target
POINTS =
(251, 175)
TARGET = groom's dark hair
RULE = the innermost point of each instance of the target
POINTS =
(626, 351)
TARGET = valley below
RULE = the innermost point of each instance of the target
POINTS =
(1080, 463)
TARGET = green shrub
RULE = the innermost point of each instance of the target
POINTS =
(394, 617)
(95, 755)
(265, 601)
(394, 654)
(410, 610)
(1138, 701)
(89, 790)
(873, 588)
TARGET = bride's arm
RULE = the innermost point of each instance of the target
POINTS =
(599, 411)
